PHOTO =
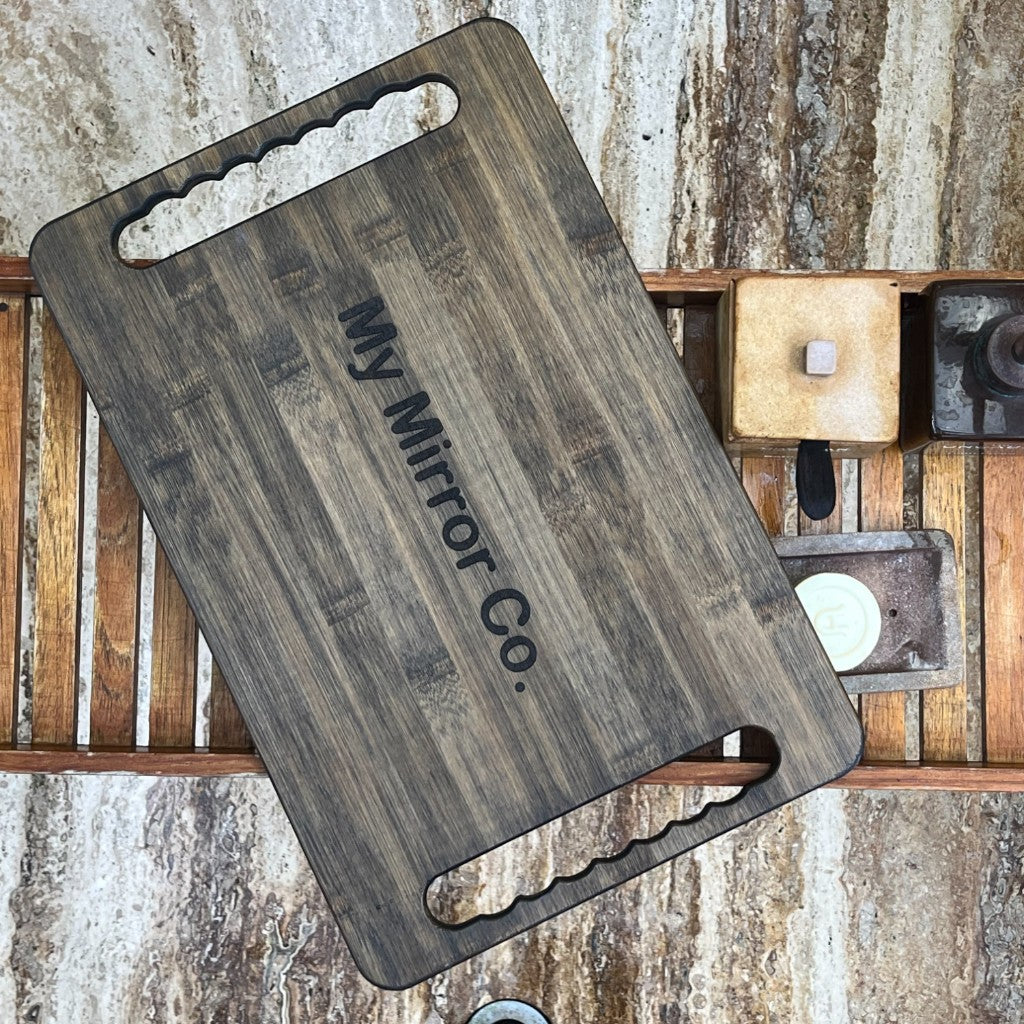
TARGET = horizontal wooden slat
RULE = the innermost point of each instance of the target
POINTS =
(967, 778)
(141, 761)
(671, 285)
(675, 287)
(16, 276)
(973, 778)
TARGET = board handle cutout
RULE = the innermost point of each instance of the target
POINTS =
(283, 167)
(460, 897)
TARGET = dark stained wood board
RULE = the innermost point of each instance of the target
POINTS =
(624, 551)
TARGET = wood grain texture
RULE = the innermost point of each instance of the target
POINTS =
(869, 775)
(1003, 549)
(700, 356)
(881, 508)
(172, 699)
(116, 604)
(355, 646)
(766, 481)
(13, 334)
(55, 656)
(678, 286)
(227, 727)
(671, 286)
(923, 775)
(227, 730)
(697, 348)
(943, 504)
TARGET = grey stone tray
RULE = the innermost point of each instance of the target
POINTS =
(913, 575)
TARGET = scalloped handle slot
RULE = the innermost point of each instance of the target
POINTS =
(249, 184)
(546, 856)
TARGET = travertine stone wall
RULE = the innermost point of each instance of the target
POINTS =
(769, 134)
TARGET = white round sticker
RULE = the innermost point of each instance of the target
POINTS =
(845, 615)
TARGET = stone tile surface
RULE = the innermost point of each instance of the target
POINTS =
(819, 133)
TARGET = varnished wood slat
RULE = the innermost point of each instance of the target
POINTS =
(765, 480)
(13, 325)
(952, 777)
(676, 287)
(881, 508)
(227, 727)
(325, 566)
(55, 660)
(172, 701)
(955, 776)
(115, 629)
(672, 286)
(1003, 548)
(943, 504)
(700, 356)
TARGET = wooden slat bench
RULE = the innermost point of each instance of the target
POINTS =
(970, 737)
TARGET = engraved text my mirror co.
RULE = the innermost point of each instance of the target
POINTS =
(424, 440)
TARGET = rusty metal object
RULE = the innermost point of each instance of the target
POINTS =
(1000, 356)
(966, 351)
(913, 575)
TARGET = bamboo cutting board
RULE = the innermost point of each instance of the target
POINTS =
(456, 528)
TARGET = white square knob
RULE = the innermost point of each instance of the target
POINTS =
(820, 358)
